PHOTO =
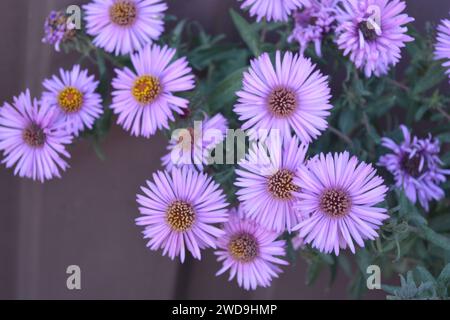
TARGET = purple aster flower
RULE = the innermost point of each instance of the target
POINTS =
(179, 210)
(144, 99)
(73, 93)
(276, 10)
(313, 23)
(57, 30)
(123, 26)
(266, 182)
(192, 146)
(32, 139)
(291, 96)
(372, 33)
(337, 198)
(443, 44)
(251, 253)
(416, 167)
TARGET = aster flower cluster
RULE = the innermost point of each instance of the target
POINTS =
(287, 191)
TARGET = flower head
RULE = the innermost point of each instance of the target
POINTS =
(337, 201)
(192, 146)
(443, 44)
(123, 26)
(179, 210)
(266, 182)
(276, 10)
(32, 139)
(313, 23)
(416, 167)
(144, 98)
(73, 94)
(291, 96)
(372, 33)
(57, 30)
(250, 252)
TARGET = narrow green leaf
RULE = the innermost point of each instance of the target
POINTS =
(247, 32)
(225, 92)
(444, 277)
(435, 238)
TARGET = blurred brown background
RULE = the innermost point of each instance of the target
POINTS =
(87, 217)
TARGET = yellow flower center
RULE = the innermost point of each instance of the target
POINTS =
(123, 13)
(70, 100)
(146, 89)
(281, 184)
(243, 247)
(180, 216)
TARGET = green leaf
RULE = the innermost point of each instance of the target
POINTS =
(432, 77)
(424, 274)
(409, 210)
(247, 32)
(444, 277)
(344, 263)
(435, 238)
(313, 271)
(441, 223)
(177, 33)
(225, 92)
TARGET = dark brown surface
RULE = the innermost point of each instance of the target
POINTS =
(86, 218)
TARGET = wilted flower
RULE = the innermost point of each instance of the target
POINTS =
(179, 210)
(250, 252)
(313, 23)
(372, 33)
(416, 167)
(57, 30)
(337, 201)
(33, 139)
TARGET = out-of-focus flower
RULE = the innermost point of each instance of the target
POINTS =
(73, 94)
(192, 146)
(123, 26)
(144, 100)
(179, 210)
(57, 30)
(337, 200)
(266, 182)
(276, 10)
(251, 253)
(443, 44)
(32, 138)
(416, 167)
(372, 33)
(291, 96)
(313, 23)
(298, 242)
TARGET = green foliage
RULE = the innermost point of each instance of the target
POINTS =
(420, 284)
